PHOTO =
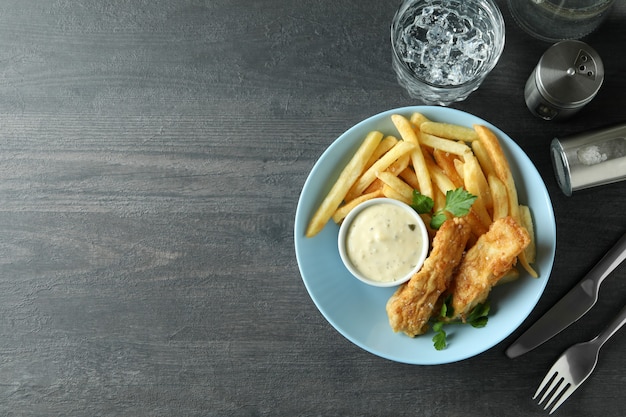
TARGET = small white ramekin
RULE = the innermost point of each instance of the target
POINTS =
(343, 233)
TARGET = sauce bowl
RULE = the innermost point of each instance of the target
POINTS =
(383, 242)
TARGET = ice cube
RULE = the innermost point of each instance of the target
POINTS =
(456, 24)
(438, 35)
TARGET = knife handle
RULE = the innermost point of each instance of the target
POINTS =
(616, 324)
(613, 258)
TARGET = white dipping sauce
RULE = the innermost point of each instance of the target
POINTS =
(384, 242)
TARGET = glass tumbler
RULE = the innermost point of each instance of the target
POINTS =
(442, 50)
(555, 20)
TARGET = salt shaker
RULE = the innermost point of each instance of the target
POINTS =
(567, 77)
(590, 158)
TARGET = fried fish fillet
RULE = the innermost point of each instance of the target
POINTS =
(411, 306)
(493, 255)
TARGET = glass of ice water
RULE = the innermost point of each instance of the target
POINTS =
(444, 49)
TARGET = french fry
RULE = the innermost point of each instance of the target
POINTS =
(478, 227)
(389, 192)
(397, 184)
(499, 198)
(501, 167)
(343, 211)
(426, 151)
(417, 157)
(445, 160)
(476, 183)
(376, 185)
(346, 179)
(470, 173)
(400, 165)
(460, 168)
(524, 261)
(439, 200)
(447, 145)
(449, 131)
(387, 143)
(402, 148)
(408, 175)
(439, 178)
(527, 222)
(417, 119)
(479, 208)
(483, 158)
(503, 172)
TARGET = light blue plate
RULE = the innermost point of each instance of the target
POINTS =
(357, 310)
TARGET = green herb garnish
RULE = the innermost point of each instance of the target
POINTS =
(446, 308)
(439, 339)
(476, 318)
(422, 203)
(458, 203)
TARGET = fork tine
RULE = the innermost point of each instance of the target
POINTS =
(543, 384)
(548, 385)
(565, 393)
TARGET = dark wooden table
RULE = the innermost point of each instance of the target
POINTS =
(151, 158)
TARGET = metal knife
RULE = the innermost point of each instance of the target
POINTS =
(572, 306)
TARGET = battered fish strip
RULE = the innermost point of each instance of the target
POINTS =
(411, 306)
(493, 255)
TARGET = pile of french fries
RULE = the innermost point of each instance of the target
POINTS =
(433, 158)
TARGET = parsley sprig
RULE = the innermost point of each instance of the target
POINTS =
(477, 318)
(458, 203)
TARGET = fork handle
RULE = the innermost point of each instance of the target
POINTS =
(616, 324)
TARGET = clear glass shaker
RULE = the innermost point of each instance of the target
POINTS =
(589, 159)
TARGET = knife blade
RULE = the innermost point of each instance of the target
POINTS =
(575, 304)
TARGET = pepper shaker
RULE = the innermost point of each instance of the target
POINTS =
(567, 77)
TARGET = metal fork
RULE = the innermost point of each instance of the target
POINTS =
(574, 366)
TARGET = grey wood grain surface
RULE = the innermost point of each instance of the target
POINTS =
(151, 158)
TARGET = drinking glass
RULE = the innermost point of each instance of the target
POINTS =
(444, 49)
(555, 20)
